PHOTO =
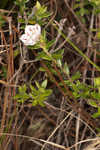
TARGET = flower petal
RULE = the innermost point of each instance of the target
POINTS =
(27, 40)
(37, 29)
(32, 34)
(24, 38)
(32, 29)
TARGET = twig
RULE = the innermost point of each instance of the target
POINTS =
(60, 25)
(84, 78)
(88, 53)
(56, 130)
(70, 33)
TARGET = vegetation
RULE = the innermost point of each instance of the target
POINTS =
(50, 75)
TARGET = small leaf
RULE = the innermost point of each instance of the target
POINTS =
(43, 36)
(95, 115)
(16, 53)
(50, 43)
(82, 11)
(42, 55)
(22, 88)
(21, 20)
(93, 103)
(76, 76)
(44, 84)
(97, 81)
(33, 89)
(42, 69)
(60, 51)
(41, 104)
(37, 84)
(35, 102)
(41, 90)
(34, 47)
(98, 35)
(66, 69)
(59, 63)
(38, 5)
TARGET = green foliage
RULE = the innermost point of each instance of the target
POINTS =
(88, 93)
(98, 34)
(2, 21)
(81, 9)
(97, 83)
(95, 101)
(3, 73)
(21, 5)
(36, 96)
(96, 5)
(84, 91)
(97, 114)
(22, 95)
(95, 2)
(66, 69)
(39, 93)
(16, 53)
(40, 14)
(85, 7)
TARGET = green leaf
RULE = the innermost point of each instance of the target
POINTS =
(21, 97)
(97, 81)
(37, 84)
(38, 5)
(2, 21)
(50, 43)
(32, 95)
(41, 12)
(16, 53)
(98, 129)
(35, 47)
(60, 52)
(95, 115)
(35, 102)
(48, 92)
(76, 76)
(21, 20)
(59, 63)
(43, 55)
(33, 89)
(76, 6)
(42, 69)
(95, 95)
(98, 35)
(22, 88)
(44, 83)
(58, 55)
(41, 104)
(66, 69)
(93, 103)
(41, 90)
(3, 73)
(43, 36)
(82, 11)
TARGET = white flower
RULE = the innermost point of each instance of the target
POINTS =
(32, 34)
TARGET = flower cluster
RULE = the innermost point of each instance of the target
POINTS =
(32, 34)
